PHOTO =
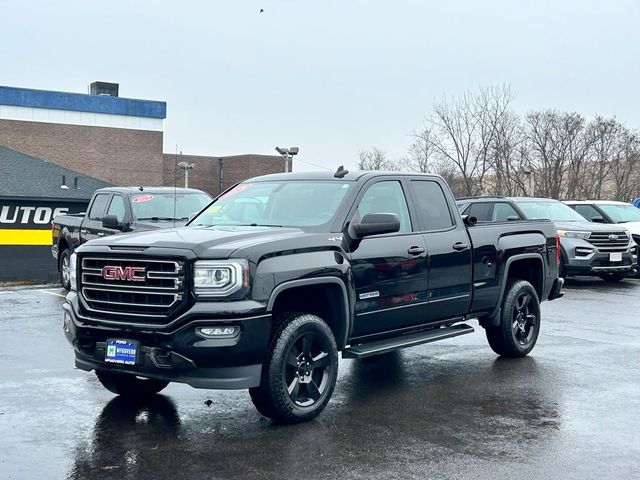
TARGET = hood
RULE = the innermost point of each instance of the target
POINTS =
(590, 226)
(205, 242)
(633, 227)
(139, 226)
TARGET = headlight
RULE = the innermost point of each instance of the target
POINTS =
(73, 272)
(217, 278)
(574, 234)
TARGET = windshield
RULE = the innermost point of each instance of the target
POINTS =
(284, 203)
(160, 206)
(621, 213)
(549, 209)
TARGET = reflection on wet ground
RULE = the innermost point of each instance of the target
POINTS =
(450, 409)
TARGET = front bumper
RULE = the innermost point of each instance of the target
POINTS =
(178, 354)
(582, 258)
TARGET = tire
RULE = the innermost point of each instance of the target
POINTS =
(300, 373)
(129, 385)
(517, 333)
(613, 277)
(63, 267)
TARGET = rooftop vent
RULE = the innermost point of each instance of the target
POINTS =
(104, 88)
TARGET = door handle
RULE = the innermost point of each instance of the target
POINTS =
(415, 251)
(84, 232)
(101, 234)
(459, 246)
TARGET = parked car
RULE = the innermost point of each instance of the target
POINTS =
(611, 212)
(363, 263)
(116, 210)
(587, 248)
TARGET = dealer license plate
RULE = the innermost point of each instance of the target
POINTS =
(123, 352)
(615, 257)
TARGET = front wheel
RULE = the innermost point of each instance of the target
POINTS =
(65, 271)
(130, 385)
(613, 277)
(517, 333)
(300, 372)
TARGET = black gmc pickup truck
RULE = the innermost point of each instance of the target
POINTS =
(277, 275)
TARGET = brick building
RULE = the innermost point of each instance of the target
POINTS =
(118, 140)
(215, 174)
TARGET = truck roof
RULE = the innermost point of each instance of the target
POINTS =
(135, 190)
(352, 176)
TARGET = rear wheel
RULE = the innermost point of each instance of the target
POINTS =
(517, 333)
(65, 272)
(130, 385)
(300, 372)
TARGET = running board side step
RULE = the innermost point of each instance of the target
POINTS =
(411, 340)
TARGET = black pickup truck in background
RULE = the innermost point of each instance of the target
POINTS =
(268, 283)
(115, 210)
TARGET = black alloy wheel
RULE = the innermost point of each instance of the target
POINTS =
(308, 369)
(300, 372)
(524, 320)
(517, 332)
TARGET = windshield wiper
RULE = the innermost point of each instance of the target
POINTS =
(160, 218)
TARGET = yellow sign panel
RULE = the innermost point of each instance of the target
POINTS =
(25, 237)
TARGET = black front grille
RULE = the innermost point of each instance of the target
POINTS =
(147, 288)
(610, 241)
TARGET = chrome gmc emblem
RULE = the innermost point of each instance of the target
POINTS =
(131, 274)
(613, 237)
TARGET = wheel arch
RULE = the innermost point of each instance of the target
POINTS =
(323, 296)
(525, 266)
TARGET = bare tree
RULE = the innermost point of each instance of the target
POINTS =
(374, 159)
(465, 131)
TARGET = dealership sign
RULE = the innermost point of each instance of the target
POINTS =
(29, 222)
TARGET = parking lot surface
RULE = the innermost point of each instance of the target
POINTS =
(445, 410)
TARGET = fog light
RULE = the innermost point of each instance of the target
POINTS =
(217, 332)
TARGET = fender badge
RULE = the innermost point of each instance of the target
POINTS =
(364, 296)
(336, 239)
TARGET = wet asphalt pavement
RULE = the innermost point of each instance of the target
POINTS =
(444, 410)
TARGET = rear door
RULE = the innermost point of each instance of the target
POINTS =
(92, 225)
(448, 249)
(389, 271)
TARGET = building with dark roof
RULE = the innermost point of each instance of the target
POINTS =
(24, 176)
(32, 192)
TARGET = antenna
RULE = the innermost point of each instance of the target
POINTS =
(341, 172)
(175, 184)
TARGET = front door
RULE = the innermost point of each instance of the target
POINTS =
(389, 271)
(92, 224)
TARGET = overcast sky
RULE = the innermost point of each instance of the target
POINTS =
(333, 77)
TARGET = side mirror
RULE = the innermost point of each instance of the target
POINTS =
(111, 222)
(598, 219)
(513, 218)
(374, 224)
(469, 220)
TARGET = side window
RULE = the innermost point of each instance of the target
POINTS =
(116, 207)
(386, 197)
(482, 211)
(502, 212)
(587, 211)
(98, 206)
(432, 205)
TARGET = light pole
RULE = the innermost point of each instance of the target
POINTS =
(186, 167)
(287, 154)
(530, 186)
